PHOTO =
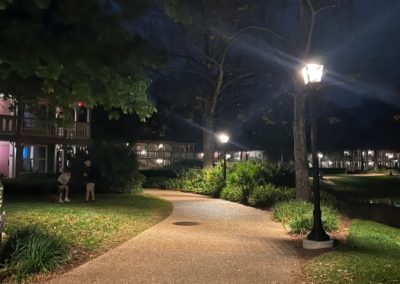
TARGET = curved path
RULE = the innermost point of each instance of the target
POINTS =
(204, 240)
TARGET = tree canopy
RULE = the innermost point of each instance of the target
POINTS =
(69, 51)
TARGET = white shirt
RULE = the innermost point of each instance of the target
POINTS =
(64, 178)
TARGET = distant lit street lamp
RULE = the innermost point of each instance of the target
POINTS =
(320, 156)
(317, 238)
(224, 138)
(390, 156)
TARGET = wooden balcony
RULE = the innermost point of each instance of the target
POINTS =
(164, 155)
(32, 127)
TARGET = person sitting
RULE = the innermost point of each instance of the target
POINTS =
(63, 188)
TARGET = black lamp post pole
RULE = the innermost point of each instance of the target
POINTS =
(224, 162)
(224, 166)
(317, 233)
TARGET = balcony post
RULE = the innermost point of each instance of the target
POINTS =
(18, 158)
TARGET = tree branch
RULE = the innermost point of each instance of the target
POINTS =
(230, 82)
(262, 29)
(323, 9)
(310, 30)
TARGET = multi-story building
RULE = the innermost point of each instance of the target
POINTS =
(357, 160)
(29, 144)
(157, 154)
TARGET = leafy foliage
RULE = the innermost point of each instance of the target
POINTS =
(180, 166)
(254, 182)
(31, 250)
(75, 51)
(267, 195)
(115, 166)
(244, 177)
(203, 181)
(297, 216)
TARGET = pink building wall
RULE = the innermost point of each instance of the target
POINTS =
(4, 145)
(4, 155)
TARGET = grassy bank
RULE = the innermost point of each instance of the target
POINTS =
(370, 255)
(96, 226)
(363, 186)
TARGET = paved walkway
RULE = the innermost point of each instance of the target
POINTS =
(204, 240)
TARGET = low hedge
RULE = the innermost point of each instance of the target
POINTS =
(297, 216)
(267, 195)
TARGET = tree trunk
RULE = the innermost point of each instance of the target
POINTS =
(300, 147)
(208, 139)
(376, 162)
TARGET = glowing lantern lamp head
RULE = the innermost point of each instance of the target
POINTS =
(80, 104)
(223, 138)
(312, 73)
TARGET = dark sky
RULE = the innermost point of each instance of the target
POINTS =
(359, 41)
(367, 44)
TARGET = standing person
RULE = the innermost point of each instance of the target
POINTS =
(63, 188)
(90, 180)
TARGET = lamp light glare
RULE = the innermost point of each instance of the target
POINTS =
(312, 73)
(223, 138)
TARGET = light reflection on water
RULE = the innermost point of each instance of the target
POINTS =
(384, 201)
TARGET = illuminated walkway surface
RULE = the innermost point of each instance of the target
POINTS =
(204, 240)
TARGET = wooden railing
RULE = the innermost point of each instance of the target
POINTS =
(8, 124)
(164, 155)
(35, 127)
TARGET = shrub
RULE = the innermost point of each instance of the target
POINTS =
(213, 180)
(180, 166)
(174, 183)
(244, 177)
(268, 194)
(30, 186)
(192, 181)
(280, 176)
(115, 165)
(30, 250)
(297, 216)
(203, 181)
(233, 194)
(328, 199)
(156, 182)
(241, 179)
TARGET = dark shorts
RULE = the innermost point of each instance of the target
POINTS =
(57, 190)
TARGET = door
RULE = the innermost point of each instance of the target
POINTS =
(4, 155)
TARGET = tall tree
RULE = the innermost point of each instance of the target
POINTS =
(213, 63)
(290, 27)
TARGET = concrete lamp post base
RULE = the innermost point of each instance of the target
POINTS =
(309, 244)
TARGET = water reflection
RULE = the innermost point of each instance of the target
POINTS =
(384, 201)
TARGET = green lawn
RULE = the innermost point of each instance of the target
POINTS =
(96, 226)
(371, 255)
(363, 186)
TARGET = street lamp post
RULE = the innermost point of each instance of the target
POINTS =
(317, 238)
(390, 156)
(320, 156)
(224, 138)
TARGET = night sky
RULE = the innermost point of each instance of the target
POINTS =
(361, 56)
